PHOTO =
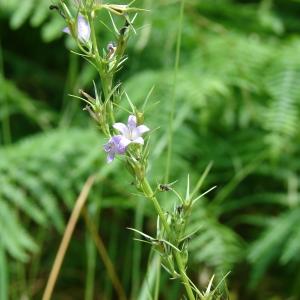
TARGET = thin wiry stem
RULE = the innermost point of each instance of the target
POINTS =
(172, 105)
(137, 250)
(157, 279)
(150, 195)
(5, 120)
(67, 237)
(3, 274)
(104, 256)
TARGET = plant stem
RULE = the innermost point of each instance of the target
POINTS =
(106, 79)
(6, 120)
(157, 279)
(94, 39)
(150, 195)
(67, 237)
(3, 273)
(97, 57)
(91, 256)
(104, 256)
(137, 250)
(172, 106)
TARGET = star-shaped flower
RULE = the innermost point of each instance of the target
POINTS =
(132, 133)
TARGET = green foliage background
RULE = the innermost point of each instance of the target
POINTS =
(237, 104)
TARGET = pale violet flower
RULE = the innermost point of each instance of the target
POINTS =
(132, 133)
(116, 145)
(83, 29)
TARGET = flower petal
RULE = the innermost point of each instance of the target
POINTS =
(142, 129)
(138, 131)
(67, 30)
(116, 139)
(116, 145)
(119, 143)
(122, 145)
(107, 147)
(138, 140)
(132, 121)
(122, 128)
(83, 29)
(110, 157)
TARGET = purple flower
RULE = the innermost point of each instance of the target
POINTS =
(83, 29)
(116, 145)
(132, 133)
(129, 134)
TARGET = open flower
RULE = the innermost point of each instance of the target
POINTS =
(132, 133)
(116, 145)
(83, 29)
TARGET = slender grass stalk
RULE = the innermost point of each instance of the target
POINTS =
(150, 276)
(112, 250)
(157, 280)
(126, 264)
(91, 258)
(150, 195)
(3, 274)
(22, 281)
(104, 256)
(6, 130)
(172, 104)
(68, 108)
(137, 249)
(36, 262)
(67, 237)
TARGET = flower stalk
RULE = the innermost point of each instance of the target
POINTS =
(129, 141)
(148, 192)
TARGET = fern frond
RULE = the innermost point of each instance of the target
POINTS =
(281, 118)
(37, 176)
(37, 12)
(215, 244)
(15, 101)
(278, 236)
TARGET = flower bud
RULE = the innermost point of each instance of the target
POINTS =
(140, 117)
(111, 49)
(185, 256)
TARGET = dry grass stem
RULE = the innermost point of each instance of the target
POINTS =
(67, 237)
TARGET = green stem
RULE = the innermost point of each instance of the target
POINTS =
(3, 273)
(157, 280)
(172, 106)
(6, 119)
(106, 83)
(94, 39)
(97, 57)
(137, 250)
(107, 86)
(150, 195)
(106, 79)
